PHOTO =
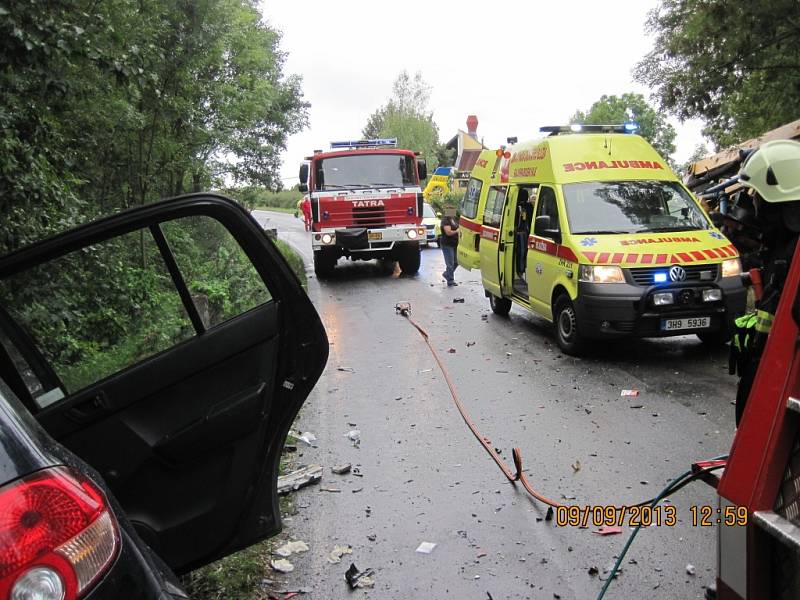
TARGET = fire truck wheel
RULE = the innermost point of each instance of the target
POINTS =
(409, 258)
(566, 324)
(500, 306)
(324, 263)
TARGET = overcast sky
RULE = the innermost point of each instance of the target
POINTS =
(516, 65)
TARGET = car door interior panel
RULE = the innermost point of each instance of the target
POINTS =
(184, 408)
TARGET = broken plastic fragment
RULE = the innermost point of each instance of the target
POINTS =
(690, 569)
(290, 548)
(336, 554)
(359, 579)
(282, 565)
(341, 469)
(307, 437)
(426, 547)
(629, 393)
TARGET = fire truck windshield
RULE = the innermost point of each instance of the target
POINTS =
(364, 171)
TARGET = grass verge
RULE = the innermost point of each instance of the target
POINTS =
(295, 261)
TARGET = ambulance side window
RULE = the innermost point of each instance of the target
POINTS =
(495, 201)
(546, 207)
(469, 207)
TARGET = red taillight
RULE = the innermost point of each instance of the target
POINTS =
(55, 530)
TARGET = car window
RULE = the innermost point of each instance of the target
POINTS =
(547, 206)
(103, 308)
(495, 201)
(99, 309)
(427, 212)
(469, 205)
(221, 279)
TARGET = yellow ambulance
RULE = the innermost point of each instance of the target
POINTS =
(590, 229)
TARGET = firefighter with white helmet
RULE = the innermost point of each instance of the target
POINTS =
(773, 171)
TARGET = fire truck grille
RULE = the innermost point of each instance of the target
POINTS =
(787, 504)
(644, 275)
(369, 216)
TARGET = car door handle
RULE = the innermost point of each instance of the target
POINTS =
(89, 409)
(501, 246)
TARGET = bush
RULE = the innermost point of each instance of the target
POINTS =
(258, 197)
(294, 259)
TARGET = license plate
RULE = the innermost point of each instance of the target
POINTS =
(688, 323)
(375, 235)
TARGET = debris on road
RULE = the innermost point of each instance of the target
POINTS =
(354, 435)
(576, 466)
(629, 393)
(426, 547)
(549, 515)
(452, 350)
(470, 344)
(608, 530)
(282, 565)
(458, 301)
(299, 479)
(357, 472)
(307, 437)
(293, 547)
(335, 555)
(359, 579)
(330, 489)
(341, 469)
(690, 569)
(593, 571)
(346, 369)
(356, 490)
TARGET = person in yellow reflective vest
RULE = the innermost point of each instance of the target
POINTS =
(773, 171)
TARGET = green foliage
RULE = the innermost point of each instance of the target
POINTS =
(733, 63)
(259, 197)
(439, 201)
(611, 110)
(406, 117)
(107, 105)
(295, 261)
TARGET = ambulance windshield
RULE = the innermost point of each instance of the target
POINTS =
(631, 207)
(364, 171)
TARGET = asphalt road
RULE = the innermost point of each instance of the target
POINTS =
(426, 478)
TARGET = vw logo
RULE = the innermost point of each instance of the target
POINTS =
(677, 273)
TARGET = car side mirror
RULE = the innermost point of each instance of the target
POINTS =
(304, 173)
(422, 169)
(302, 187)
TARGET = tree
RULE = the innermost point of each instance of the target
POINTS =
(700, 151)
(406, 117)
(653, 126)
(733, 63)
(105, 105)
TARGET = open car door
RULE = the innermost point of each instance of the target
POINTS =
(170, 347)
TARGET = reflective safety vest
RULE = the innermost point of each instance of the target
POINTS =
(744, 332)
(763, 321)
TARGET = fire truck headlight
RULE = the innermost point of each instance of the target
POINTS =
(713, 295)
(327, 238)
(731, 267)
(600, 274)
(412, 234)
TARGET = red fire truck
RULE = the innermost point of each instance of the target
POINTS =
(366, 202)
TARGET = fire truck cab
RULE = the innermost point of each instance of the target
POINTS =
(366, 202)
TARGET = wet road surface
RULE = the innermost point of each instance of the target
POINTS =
(426, 478)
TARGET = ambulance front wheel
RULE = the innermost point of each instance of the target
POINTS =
(500, 306)
(566, 323)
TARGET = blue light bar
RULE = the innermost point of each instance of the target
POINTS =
(350, 145)
(630, 126)
(660, 277)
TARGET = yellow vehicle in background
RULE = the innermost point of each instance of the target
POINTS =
(430, 220)
(445, 180)
(590, 229)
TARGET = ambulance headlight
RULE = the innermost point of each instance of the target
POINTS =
(327, 238)
(713, 295)
(412, 234)
(600, 274)
(731, 267)
(663, 299)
